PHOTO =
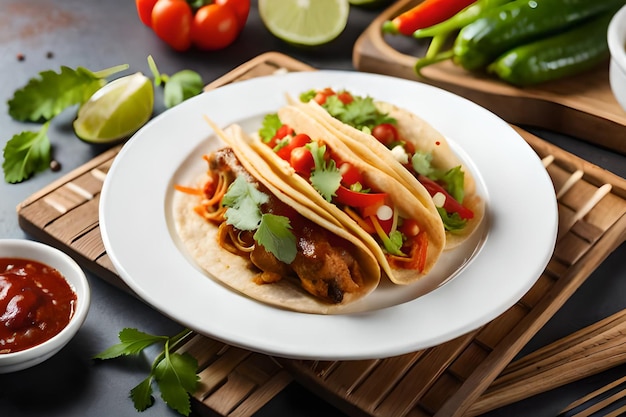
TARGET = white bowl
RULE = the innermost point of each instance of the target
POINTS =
(616, 37)
(26, 249)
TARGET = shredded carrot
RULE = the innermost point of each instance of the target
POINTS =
(417, 259)
(368, 227)
(188, 190)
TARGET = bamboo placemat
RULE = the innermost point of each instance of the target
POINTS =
(462, 377)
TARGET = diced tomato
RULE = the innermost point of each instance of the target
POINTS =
(345, 97)
(450, 205)
(409, 228)
(302, 161)
(322, 95)
(300, 139)
(385, 133)
(349, 174)
(357, 199)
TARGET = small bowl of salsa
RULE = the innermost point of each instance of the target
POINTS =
(44, 300)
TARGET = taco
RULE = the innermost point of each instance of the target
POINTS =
(248, 234)
(406, 147)
(404, 232)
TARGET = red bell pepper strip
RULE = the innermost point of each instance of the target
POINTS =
(357, 199)
(450, 205)
(423, 15)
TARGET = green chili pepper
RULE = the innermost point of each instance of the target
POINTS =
(519, 22)
(459, 20)
(569, 53)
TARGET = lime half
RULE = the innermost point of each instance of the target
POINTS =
(117, 110)
(305, 22)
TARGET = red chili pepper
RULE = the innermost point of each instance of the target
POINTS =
(425, 14)
(450, 205)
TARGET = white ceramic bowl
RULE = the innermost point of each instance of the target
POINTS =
(26, 249)
(616, 37)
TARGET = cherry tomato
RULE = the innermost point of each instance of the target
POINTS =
(386, 133)
(322, 95)
(345, 97)
(297, 141)
(409, 228)
(302, 161)
(241, 8)
(349, 174)
(171, 21)
(214, 27)
(144, 10)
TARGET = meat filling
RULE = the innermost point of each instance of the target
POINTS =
(323, 264)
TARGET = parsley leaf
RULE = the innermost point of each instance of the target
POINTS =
(269, 127)
(451, 222)
(360, 113)
(132, 341)
(273, 232)
(325, 177)
(45, 97)
(175, 373)
(176, 377)
(243, 200)
(25, 154)
(455, 183)
(178, 87)
(275, 235)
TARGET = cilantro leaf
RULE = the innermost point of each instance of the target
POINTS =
(455, 183)
(176, 377)
(132, 341)
(274, 233)
(45, 97)
(361, 113)
(25, 154)
(181, 86)
(141, 394)
(269, 127)
(325, 177)
(175, 374)
(451, 222)
(243, 200)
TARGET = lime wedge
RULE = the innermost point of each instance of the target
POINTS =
(117, 110)
(305, 22)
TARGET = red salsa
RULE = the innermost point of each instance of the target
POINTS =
(36, 303)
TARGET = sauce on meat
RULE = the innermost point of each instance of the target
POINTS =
(36, 303)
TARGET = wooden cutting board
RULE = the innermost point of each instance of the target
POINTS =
(582, 106)
(463, 377)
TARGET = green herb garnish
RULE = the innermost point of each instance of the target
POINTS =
(325, 176)
(175, 374)
(273, 232)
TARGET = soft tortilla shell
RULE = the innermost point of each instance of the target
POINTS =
(424, 137)
(301, 190)
(200, 240)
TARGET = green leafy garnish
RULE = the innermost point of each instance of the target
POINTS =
(45, 97)
(178, 87)
(452, 222)
(273, 232)
(175, 374)
(269, 127)
(325, 176)
(360, 113)
(454, 179)
(25, 154)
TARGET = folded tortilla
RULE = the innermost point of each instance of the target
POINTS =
(409, 205)
(424, 137)
(200, 238)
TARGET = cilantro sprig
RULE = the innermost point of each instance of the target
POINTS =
(174, 373)
(50, 93)
(360, 113)
(325, 176)
(273, 232)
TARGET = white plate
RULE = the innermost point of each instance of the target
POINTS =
(503, 264)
